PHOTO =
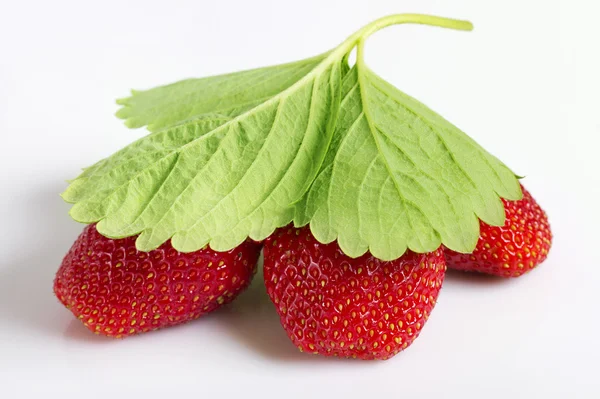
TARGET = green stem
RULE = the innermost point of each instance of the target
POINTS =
(396, 19)
(421, 19)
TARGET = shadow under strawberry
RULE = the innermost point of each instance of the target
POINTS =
(467, 278)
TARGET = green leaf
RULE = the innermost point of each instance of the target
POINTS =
(238, 155)
(399, 176)
(224, 96)
(214, 180)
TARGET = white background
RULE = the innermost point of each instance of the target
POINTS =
(524, 84)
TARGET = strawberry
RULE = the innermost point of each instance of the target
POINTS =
(513, 249)
(332, 304)
(118, 291)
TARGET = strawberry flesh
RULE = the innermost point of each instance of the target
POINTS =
(334, 305)
(118, 291)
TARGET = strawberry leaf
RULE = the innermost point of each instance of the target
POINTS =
(214, 179)
(238, 155)
(399, 176)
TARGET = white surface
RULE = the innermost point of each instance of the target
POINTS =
(524, 84)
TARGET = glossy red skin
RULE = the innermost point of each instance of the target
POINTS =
(334, 305)
(118, 291)
(513, 249)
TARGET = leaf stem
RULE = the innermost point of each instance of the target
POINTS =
(421, 19)
(397, 19)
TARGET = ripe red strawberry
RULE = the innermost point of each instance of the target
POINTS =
(118, 291)
(332, 304)
(513, 249)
